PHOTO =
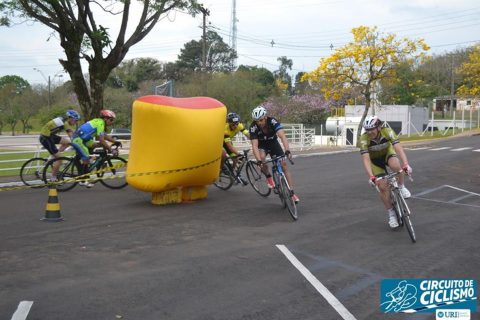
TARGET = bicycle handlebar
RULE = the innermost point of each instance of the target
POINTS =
(279, 158)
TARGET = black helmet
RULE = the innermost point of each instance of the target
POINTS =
(232, 117)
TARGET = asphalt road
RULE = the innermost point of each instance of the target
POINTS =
(116, 256)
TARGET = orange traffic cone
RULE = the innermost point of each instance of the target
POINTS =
(52, 212)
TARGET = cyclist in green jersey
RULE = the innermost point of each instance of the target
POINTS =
(380, 147)
(82, 139)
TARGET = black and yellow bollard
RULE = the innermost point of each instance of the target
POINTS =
(52, 212)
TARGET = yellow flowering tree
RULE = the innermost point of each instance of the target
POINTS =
(470, 70)
(360, 64)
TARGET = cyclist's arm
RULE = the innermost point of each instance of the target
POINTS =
(256, 152)
(401, 153)
(103, 138)
(283, 138)
(367, 163)
(231, 148)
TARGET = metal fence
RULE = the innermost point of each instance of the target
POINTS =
(299, 137)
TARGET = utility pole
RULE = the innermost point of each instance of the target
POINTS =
(452, 87)
(205, 13)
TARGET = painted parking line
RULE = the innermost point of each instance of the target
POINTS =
(442, 148)
(22, 310)
(462, 149)
(331, 299)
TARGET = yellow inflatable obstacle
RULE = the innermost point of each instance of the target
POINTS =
(176, 147)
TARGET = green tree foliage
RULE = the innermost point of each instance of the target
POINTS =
(82, 38)
(19, 83)
(129, 74)
(219, 56)
(240, 91)
(282, 78)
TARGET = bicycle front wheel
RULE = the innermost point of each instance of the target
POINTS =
(112, 173)
(395, 198)
(406, 219)
(225, 179)
(287, 198)
(257, 180)
(31, 172)
(66, 174)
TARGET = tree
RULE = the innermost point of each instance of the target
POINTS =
(283, 79)
(220, 56)
(19, 83)
(82, 38)
(359, 65)
(470, 70)
(129, 74)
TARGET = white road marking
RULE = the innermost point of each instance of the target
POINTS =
(422, 148)
(461, 149)
(22, 310)
(337, 305)
(466, 191)
(442, 148)
(478, 150)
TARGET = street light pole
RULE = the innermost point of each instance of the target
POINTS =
(49, 83)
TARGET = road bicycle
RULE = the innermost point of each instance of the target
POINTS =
(402, 211)
(109, 170)
(230, 174)
(31, 171)
(259, 183)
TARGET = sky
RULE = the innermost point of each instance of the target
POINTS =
(302, 30)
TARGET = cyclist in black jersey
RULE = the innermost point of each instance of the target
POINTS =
(264, 134)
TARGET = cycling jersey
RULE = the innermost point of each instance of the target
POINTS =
(83, 137)
(91, 129)
(267, 137)
(380, 149)
(269, 132)
(54, 126)
(229, 133)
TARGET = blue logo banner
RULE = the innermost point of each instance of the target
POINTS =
(427, 295)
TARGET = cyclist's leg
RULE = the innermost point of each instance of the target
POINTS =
(81, 148)
(379, 168)
(64, 144)
(394, 164)
(50, 144)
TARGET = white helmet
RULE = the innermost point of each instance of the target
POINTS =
(259, 112)
(371, 122)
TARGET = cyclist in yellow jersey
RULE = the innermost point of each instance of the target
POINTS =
(379, 147)
(232, 128)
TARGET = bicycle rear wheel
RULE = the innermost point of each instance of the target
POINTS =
(257, 179)
(31, 172)
(225, 179)
(112, 173)
(67, 171)
(287, 198)
(406, 219)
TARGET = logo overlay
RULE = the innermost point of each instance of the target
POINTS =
(428, 295)
(458, 314)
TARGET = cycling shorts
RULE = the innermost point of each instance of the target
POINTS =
(50, 143)
(379, 165)
(271, 147)
(81, 147)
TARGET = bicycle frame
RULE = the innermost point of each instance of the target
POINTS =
(236, 172)
(399, 204)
